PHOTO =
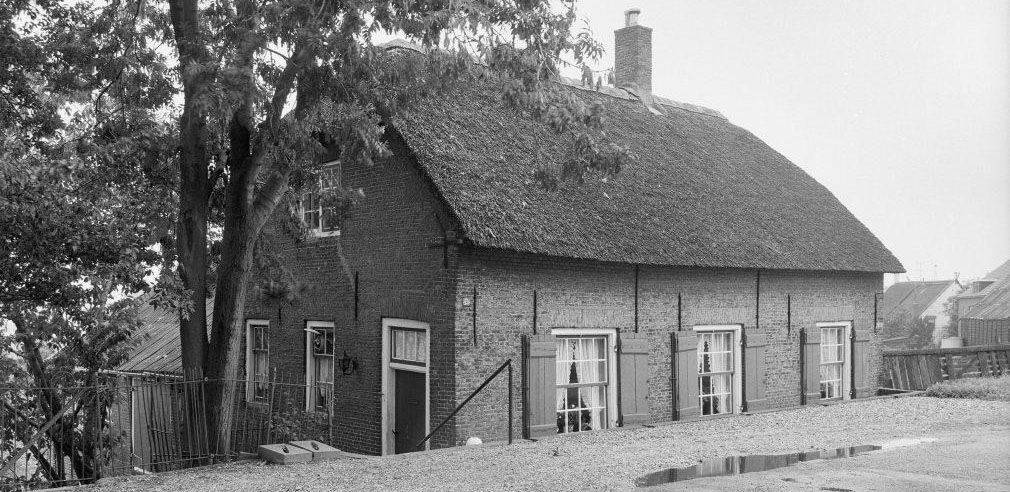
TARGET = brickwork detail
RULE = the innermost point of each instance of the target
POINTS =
(633, 57)
(572, 291)
(388, 241)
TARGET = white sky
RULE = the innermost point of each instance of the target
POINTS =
(900, 107)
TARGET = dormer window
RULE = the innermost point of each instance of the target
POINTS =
(317, 217)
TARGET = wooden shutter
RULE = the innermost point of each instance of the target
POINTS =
(861, 384)
(542, 404)
(687, 375)
(812, 365)
(633, 385)
(754, 370)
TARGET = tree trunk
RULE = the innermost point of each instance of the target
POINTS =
(226, 332)
(194, 193)
(192, 251)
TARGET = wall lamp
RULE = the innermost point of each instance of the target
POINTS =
(348, 364)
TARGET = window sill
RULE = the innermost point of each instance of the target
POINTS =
(566, 434)
(832, 401)
(317, 234)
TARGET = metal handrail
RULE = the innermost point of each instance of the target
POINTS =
(507, 364)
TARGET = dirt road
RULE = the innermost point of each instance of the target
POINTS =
(970, 453)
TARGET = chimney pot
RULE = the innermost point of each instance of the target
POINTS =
(633, 54)
(631, 17)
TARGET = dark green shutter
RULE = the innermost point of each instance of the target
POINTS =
(543, 413)
(812, 365)
(861, 364)
(754, 362)
(687, 375)
(633, 387)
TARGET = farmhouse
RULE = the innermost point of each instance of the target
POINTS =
(711, 276)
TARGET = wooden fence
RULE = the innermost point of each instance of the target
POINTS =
(919, 369)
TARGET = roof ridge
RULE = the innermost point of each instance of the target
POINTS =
(627, 93)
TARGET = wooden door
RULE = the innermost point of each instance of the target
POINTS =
(409, 423)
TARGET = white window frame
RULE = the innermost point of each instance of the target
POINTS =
(310, 366)
(250, 385)
(389, 385)
(612, 383)
(319, 231)
(737, 383)
(847, 355)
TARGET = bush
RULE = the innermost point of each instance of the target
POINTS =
(983, 388)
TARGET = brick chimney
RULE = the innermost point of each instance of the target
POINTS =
(633, 53)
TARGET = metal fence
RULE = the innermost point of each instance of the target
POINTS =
(135, 424)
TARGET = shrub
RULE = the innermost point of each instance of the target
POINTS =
(982, 388)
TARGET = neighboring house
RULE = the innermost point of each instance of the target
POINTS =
(919, 300)
(675, 290)
(978, 289)
(986, 316)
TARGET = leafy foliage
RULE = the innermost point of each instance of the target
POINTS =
(83, 195)
(918, 333)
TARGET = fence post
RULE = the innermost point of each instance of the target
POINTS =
(96, 467)
(270, 406)
(803, 369)
(510, 400)
(329, 412)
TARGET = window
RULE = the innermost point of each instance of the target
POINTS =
(716, 361)
(314, 215)
(257, 360)
(582, 379)
(409, 346)
(832, 361)
(319, 365)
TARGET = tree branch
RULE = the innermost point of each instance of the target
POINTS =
(269, 196)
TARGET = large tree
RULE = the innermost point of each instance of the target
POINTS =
(78, 223)
(83, 190)
(266, 86)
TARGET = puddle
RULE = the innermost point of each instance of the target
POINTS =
(907, 441)
(735, 465)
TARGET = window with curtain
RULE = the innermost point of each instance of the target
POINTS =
(409, 346)
(321, 368)
(258, 364)
(832, 361)
(715, 372)
(581, 365)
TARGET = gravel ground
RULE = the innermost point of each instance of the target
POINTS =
(607, 459)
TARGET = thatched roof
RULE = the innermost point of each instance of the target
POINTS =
(701, 191)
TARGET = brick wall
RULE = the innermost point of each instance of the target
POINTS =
(387, 242)
(593, 294)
